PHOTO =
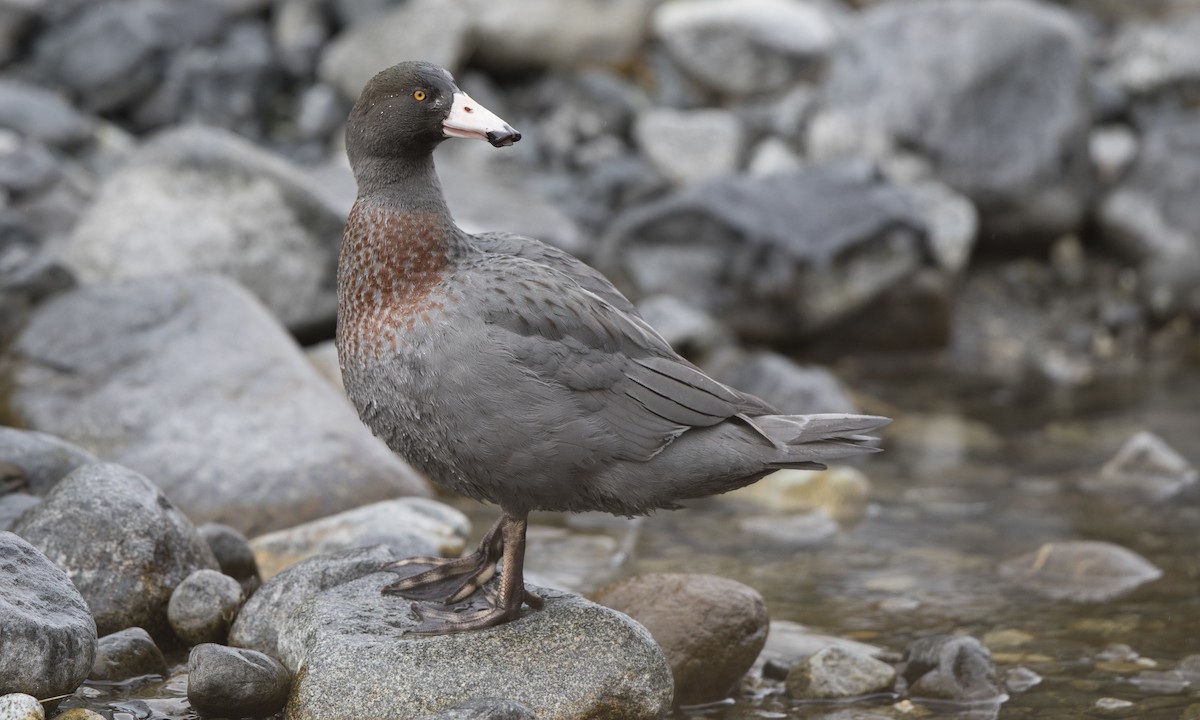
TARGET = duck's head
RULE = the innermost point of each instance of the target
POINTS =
(406, 110)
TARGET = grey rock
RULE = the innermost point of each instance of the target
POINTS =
(26, 166)
(19, 706)
(775, 258)
(42, 459)
(791, 387)
(109, 54)
(951, 218)
(485, 709)
(1151, 218)
(837, 673)
(789, 643)
(433, 30)
(203, 606)
(558, 34)
(688, 146)
(797, 530)
(1145, 467)
(1080, 570)
(1155, 57)
(572, 659)
(950, 667)
(232, 551)
(688, 329)
(126, 654)
(772, 156)
(227, 682)
(1020, 678)
(710, 628)
(322, 110)
(200, 199)
(121, 542)
(411, 527)
(299, 29)
(1113, 148)
(324, 358)
(993, 93)
(190, 381)
(41, 114)
(739, 47)
(49, 635)
(267, 612)
(232, 84)
(13, 505)
(16, 19)
(577, 562)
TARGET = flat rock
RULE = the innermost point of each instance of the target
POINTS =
(789, 643)
(1145, 467)
(1080, 570)
(225, 682)
(557, 34)
(122, 543)
(740, 47)
(412, 527)
(198, 199)
(42, 459)
(191, 382)
(49, 635)
(126, 654)
(710, 628)
(776, 258)
(953, 80)
(836, 673)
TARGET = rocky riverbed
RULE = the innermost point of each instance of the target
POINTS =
(975, 216)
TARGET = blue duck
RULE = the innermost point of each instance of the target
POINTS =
(510, 372)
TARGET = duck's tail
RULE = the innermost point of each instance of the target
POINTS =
(809, 441)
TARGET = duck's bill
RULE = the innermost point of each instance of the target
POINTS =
(469, 119)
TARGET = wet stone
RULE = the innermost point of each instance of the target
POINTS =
(1146, 467)
(837, 673)
(950, 667)
(1020, 679)
(225, 682)
(1080, 571)
(788, 644)
(126, 654)
(710, 628)
(19, 706)
(232, 551)
(49, 637)
(203, 606)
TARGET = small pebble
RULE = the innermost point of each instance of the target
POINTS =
(835, 672)
(232, 551)
(125, 654)
(1111, 704)
(79, 714)
(203, 607)
(19, 706)
(235, 683)
(1020, 679)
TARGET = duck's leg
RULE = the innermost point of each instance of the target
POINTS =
(477, 568)
(503, 605)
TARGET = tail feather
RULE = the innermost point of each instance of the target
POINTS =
(806, 441)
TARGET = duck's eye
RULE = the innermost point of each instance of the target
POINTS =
(419, 95)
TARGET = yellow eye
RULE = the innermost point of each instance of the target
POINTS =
(419, 95)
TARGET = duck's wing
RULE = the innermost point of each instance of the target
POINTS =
(629, 392)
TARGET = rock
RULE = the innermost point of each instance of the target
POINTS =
(259, 623)
(121, 542)
(576, 562)
(78, 713)
(324, 358)
(776, 258)
(557, 34)
(19, 706)
(572, 659)
(1020, 678)
(688, 146)
(772, 156)
(15, 21)
(322, 110)
(412, 527)
(42, 459)
(710, 628)
(49, 635)
(936, 76)
(1145, 466)
(108, 54)
(836, 673)
(690, 331)
(485, 709)
(796, 530)
(1150, 217)
(126, 654)
(1080, 570)
(840, 493)
(232, 551)
(198, 199)
(1112, 148)
(227, 682)
(432, 30)
(42, 115)
(1151, 58)
(950, 667)
(191, 382)
(299, 29)
(13, 505)
(789, 643)
(203, 606)
(25, 166)
(791, 387)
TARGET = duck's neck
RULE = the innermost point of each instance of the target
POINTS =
(402, 185)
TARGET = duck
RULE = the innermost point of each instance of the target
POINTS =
(511, 372)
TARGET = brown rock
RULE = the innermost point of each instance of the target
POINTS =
(710, 628)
